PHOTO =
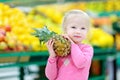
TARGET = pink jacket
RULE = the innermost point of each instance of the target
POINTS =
(72, 67)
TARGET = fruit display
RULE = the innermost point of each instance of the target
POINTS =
(61, 45)
(16, 26)
(48, 12)
(43, 19)
(100, 38)
(9, 42)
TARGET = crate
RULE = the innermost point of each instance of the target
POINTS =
(13, 57)
(117, 41)
(8, 59)
(24, 58)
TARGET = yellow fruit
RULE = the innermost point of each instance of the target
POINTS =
(61, 45)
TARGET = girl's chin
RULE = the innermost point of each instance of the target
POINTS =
(77, 42)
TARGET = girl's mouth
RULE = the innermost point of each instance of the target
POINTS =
(77, 36)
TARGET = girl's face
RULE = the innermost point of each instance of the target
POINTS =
(77, 28)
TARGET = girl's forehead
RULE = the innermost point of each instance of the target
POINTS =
(77, 16)
(77, 19)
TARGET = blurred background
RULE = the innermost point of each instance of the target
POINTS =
(23, 58)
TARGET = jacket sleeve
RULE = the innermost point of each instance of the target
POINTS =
(51, 68)
(81, 56)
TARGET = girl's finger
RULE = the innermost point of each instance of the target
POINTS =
(64, 35)
(52, 42)
(49, 42)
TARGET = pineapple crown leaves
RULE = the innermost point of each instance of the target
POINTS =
(44, 34)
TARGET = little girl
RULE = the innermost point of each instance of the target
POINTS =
(76, 65)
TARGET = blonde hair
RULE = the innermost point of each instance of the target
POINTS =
(74, 12)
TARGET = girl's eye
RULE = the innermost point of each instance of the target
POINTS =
(83, 28)
(73, 27)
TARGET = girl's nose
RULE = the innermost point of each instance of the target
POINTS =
(78, 31)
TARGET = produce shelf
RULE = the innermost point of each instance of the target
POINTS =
(20, 56)
(10, 54)
(40, 59)
(22, 64)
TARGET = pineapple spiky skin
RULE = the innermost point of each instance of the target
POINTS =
(61, 45)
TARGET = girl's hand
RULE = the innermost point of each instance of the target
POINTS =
(49, 45)
(66, 36)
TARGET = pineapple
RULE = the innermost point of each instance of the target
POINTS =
(61, 45)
